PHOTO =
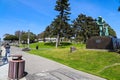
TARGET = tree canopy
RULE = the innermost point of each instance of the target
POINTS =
(60, 23)
(22, 35)
(10, 37)
(82, 28)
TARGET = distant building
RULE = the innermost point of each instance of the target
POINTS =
(49, 39)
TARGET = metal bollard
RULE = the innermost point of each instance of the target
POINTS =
(16, 67)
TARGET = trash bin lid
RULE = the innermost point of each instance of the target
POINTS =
(16, 57)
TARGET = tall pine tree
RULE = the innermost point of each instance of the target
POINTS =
(62, 6)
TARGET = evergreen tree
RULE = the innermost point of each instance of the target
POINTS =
(84, 27)
(61, 22)
(110, 30)
(48, 31)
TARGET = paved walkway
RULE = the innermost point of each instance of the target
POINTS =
(39, 68)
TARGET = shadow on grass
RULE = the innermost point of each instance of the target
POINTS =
(61, 45)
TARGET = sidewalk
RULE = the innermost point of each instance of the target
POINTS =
(39, 68)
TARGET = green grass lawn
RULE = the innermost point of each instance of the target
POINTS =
(102, 63)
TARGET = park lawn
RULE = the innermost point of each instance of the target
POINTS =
(102, 63)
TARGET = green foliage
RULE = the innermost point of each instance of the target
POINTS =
(91, 61)
(84, 27)
(24, 37)
(20, 35)
(62, 6)
(66, 43)
(111, 32)
(11, 37)
(51, 45)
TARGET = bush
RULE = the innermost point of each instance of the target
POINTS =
(50, 43)
(65, 43)
(61, 43)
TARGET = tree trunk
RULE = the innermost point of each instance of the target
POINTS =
(57, 40)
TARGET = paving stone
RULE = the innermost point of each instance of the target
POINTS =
(59, 74)
(41, 76)
(73, 75)
(1, 63)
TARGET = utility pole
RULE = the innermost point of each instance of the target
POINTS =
(19, 38)
(28, 40)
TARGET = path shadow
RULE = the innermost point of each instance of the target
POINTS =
(3, 61)
(25, 73)
(2, 64)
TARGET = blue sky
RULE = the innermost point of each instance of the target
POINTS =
(36, 15)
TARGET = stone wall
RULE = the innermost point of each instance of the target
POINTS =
(99, 42)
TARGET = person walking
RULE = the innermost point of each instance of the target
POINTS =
(7, 53)
(7, 47)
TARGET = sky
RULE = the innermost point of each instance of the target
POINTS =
(36, 15)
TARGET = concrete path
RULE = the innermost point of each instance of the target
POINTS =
(39, 68)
